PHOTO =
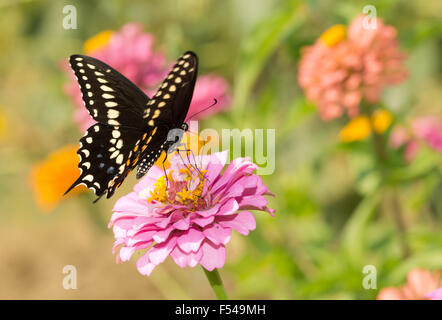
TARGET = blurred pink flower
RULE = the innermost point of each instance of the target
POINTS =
(190, 215)
(131, 52)
(435, 295)
(420, 282)
(207, 88)
(339, 70)
(426, 129)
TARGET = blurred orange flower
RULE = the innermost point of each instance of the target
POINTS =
(345, 67)
(53, 176)
(97, 42)
(360, 128)
(420, 283)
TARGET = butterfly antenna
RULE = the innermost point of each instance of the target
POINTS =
(213, 104)
(99, 197)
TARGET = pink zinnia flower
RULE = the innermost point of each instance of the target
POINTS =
(420, 283)
(188, 216)
(345, 67)
(425, 129)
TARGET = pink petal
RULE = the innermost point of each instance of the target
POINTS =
(229, 207)
(149, 179)
(214, 256)
(202, 222)
(131, 203)
(158, 253)
(141, 236)
(242, 222)
(215, 164)
(217, 234)
(238, 167)
(182, 224)
(126, 253)
(184, 259)
(144, 266)
(171, 218)
(191, 240)
(253, 203)
(209, 212)
(162, 235)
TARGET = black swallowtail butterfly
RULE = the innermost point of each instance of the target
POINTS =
(132, 129)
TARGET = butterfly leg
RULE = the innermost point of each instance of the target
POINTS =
(164, 169)
(194, 159)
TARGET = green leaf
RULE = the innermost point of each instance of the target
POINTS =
(426, 260)
(354, 231)
(260, 45)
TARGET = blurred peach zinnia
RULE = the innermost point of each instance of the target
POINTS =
(421, 284)
(345, 67)
(51, 178)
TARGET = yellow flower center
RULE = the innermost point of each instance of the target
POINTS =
(334, 35)
(97, 42)
(187, 190)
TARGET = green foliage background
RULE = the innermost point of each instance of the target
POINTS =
(335, 202)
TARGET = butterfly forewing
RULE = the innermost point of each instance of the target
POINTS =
(169, 106)
(172, 100)
(109, 97)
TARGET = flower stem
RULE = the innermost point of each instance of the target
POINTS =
(216, 284)
(400, 223)
(380, 151)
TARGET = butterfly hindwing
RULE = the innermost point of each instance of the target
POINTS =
(109, 97)
(154, 147)
(104, 153)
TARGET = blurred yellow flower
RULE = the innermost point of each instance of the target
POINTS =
(53, 176)
(382, 120)
(98, 41)
(2, 124)
(334, 35)
(360, 128)
(356, 130)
